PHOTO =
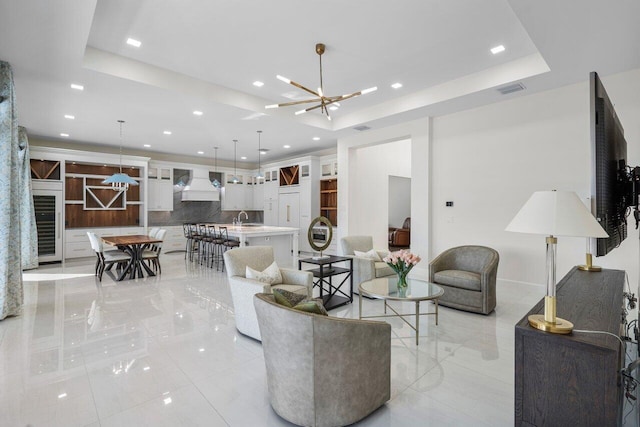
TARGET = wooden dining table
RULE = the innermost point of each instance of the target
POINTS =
(133, 245)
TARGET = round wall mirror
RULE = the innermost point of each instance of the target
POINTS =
(320, 234)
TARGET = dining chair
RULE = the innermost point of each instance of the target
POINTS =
(152, 254)
(105, 258)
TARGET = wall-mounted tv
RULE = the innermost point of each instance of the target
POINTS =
(611, 195)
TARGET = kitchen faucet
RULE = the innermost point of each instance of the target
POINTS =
(246, 216)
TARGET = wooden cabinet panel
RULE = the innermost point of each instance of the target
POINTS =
(329, 200)
(76, 217)
(563, 380)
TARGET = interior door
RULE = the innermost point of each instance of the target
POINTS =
(289, 210)
(48, 210)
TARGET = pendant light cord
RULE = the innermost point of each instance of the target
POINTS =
(235, 155)
(259, 153)
(121, 123)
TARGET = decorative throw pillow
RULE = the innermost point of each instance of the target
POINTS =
(269, 275)
(312, 306)
(299, 302)
(287, 298)
(372, 254)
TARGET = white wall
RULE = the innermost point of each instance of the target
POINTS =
(374, 165)
(350, 204)
(488, 161)
(399, 200)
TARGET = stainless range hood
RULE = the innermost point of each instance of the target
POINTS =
(200, 188)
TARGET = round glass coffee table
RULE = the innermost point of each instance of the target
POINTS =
(386, 289)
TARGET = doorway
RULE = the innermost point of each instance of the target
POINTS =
(399, 212)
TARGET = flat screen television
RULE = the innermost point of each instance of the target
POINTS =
(609, 200)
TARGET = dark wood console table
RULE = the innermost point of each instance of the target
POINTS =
(323, 275)
(573, 380)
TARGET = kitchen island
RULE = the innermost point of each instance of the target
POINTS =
(284, 240)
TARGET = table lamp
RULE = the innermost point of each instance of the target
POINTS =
(554, 213)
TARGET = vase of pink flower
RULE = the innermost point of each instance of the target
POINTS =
(402, 262)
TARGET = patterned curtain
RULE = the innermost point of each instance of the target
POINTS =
(28, 230)
(10, 199)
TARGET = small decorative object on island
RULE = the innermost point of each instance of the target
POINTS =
(402, 262)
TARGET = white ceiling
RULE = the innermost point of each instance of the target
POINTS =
(205, 54)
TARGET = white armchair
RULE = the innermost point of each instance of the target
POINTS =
(243, 289)
(364, 268)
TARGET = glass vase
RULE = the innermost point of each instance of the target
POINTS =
(402, 283)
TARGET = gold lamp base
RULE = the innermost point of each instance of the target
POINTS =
(561, 326)
(589, 266)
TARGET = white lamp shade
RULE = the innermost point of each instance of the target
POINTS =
(556, 213)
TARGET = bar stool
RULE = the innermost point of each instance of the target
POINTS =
(217, 244)
(197, 240)
(188, 249)
(206, 243)
(227, 243)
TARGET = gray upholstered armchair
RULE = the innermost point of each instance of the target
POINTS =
(243, 289)
(321, 370)
(468, 276)
(363, 268)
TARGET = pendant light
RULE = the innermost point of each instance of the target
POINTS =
(235, 179)
(215, 181)
(259, 176)
(120, 181)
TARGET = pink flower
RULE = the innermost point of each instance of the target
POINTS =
(402, 261)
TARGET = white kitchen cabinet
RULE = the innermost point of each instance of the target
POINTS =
(174, 239)
(160, 185)
(76, 241)
(234, 196)
(160, 195)
(289, 210)
(270, 209)
(258, 195)
(329, 168)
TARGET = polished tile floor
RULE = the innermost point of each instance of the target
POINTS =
(164, 351)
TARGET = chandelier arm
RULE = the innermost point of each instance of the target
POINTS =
(299, 86)
(313, 108)
(343, 97)
(287, 104)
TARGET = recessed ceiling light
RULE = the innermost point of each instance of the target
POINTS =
(147, 145)
(69, 116)
(286, 146)
(396, 85)
(258, 83)
(263, 152)
(497, 49)
(77, 86)
(134, 42)
(316, 138)
(333, 108)
(167, 132)
(197, 113)
(243, 158)
(65, 135)
(200, 152)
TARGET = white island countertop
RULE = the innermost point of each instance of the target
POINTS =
(257, 230)
(258, 234)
